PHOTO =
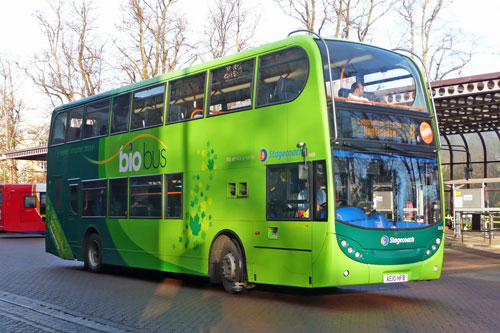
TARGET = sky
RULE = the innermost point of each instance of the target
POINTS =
(20, 35)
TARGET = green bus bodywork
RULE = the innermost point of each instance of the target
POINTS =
(224, 161)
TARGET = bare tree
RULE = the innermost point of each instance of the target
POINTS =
(72, 65)
(342, 18)
(156, 39)
(312, 14)
(10, 116)
(230, 29)
(440, 45)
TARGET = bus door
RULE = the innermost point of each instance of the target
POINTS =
(284, 254)
(72, 225)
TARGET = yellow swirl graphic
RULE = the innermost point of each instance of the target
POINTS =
(125, 145)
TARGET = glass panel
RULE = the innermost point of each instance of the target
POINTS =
(145, 196)
(173, 195)
(75, 124)
(73, 198)
(288, 192)
(320, 198)
(96, 119)
(446, 172)
(43, 203)
(187, 98)
(118, 197)
(393, 191)
(30, 201)
(493, 194)
(59, 128)
(459, 171)
(457, 146)
(477, 170)
(94, 198)
(231, 87)
(282, 76)
(147, 107)
(367, 74)
(121, 110)
(493, 170)
(476, 148)
(492, 143)
(445, 153)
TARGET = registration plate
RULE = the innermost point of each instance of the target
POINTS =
(395, 278)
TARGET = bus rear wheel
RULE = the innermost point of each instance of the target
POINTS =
(93, 254)
(232, 268)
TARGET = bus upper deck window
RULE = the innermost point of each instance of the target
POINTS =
(186, 98)
(120, 114)
(147, 107)
(231, 87)
(59, 129)
(75, 121)
(282, 76)
(96, 119)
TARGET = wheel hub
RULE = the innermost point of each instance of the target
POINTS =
(229, 267)
(93, 254)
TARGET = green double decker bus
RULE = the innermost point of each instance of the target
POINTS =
(306, 162)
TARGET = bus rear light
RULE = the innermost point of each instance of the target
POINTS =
(357, 255)
(343, 243)
(428, 252)
(438, 241)
(350, 250)
(434, 247)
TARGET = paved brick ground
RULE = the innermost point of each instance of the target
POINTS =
(465, 299)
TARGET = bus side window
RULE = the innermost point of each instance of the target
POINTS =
(120, 114)
(173, 195)
(59, 129)
(43, 204)
(146, 196)
(320, 191)
(94, 198)
(30, 201)
(186, 98)
(231, 87)
(288, 193)
(147, 107)
(118, 197)
(96, 119)
(73, 198)
(75, 121)
(282, 76)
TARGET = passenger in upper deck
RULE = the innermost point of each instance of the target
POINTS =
(357, 91)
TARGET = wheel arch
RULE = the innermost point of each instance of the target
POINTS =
(216, 249)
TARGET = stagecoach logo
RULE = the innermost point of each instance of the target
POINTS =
(395, 240)
(278, 155)
(146, 156)
(263, 155)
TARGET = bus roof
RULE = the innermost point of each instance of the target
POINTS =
(268, 47)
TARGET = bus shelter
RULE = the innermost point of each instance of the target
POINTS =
(472, 208)
(468, 111)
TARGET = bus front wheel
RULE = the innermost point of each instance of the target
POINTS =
(93, 254)
(231, 267)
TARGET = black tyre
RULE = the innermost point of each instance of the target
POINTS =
(232, 267)
(92, 256)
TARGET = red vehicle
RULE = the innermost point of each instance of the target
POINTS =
(22, 208)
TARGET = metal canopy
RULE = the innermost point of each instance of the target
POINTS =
(469, 104)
